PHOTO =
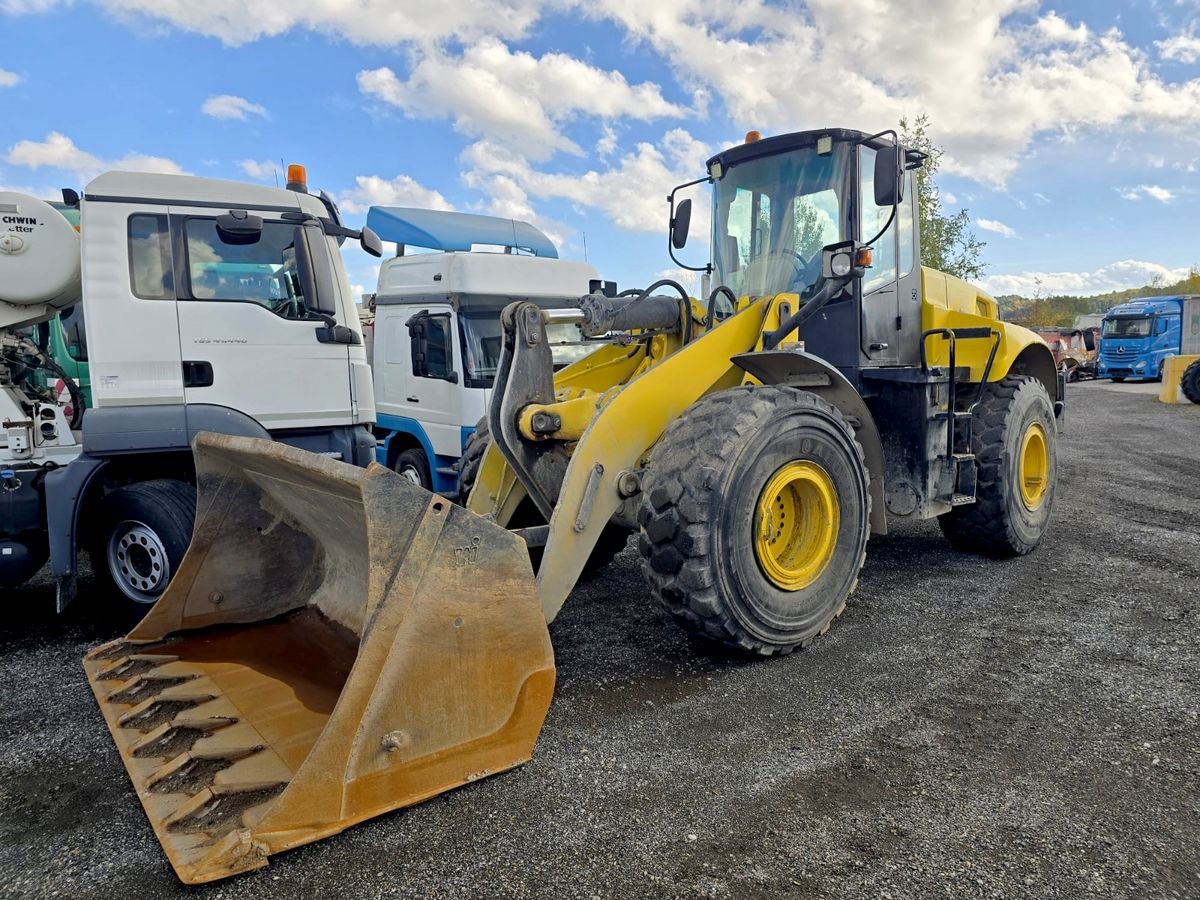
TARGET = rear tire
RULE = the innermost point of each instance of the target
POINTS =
(1190, 383)
(720, 553)
(612, 539)
(1015, 487)
(144, 531)
(413, 467)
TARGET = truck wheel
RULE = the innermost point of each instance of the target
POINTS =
(1013, 437)
(612, 539)
(1191, 382)
(754, 518)
(412, 466)
(144, 532)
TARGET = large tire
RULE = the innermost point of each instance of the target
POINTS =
(1190, 383)
(1014, 490)
(612, 539)
(712, 551)
(143, 532)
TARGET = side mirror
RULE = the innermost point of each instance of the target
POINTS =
(1089, 340)
(889, 183)
(239, 227)
(681, 223)
(313, 269)
(431, 346)
(370, 242)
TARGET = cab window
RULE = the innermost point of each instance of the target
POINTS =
(150, 275)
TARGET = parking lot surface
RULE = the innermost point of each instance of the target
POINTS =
(968, 728)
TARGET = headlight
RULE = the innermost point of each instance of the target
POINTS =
(1140, 365)
(840, 264)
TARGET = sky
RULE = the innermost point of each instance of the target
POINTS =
(1071, 130)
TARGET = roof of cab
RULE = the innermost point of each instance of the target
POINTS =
(132, 187)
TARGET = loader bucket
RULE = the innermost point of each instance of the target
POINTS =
(337, 643)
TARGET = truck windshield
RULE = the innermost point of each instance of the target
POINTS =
(1127, 327)
(482, 337)
(772, 217)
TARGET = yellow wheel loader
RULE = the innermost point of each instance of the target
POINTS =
(338, 643)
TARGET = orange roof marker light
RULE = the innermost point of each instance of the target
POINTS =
(752, 136)
(297, 178)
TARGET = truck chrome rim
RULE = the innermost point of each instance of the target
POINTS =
(410, 473)
(1034, 468)
(796, 525)
(138, 561)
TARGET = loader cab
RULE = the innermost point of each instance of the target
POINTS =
(778, 201)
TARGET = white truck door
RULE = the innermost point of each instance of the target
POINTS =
(433, 381)
(245, 338)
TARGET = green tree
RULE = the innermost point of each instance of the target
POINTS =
(947, 242)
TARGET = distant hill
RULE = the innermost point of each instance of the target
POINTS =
(1061, 309)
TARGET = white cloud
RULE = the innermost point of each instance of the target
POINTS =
(1184, 48)
(631, 192)
(1128, 273)
(8, 79)
(949, 198)
(1002, 82)
(686, 277)
(1041, 198)
(514, 99)
(230, 106)
(262, 170)
(995, 227)
(1153, 191)
(58, 151)
(372, 190)
(377, 22)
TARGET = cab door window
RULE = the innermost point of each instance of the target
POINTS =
(263, 272)
(432, 346)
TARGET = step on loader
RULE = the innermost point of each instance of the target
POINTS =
(338, 643)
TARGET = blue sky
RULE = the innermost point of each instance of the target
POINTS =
(1072, 130)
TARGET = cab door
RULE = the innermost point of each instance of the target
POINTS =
(434, 390)
(246, 338)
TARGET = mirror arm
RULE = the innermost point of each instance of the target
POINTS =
(829, 290)
(707, 267)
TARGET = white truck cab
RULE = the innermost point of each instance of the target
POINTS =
(210, 306)
(436, 334)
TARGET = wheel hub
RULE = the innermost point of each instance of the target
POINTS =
(410, 473)
(796, 525)
(138, 561)
(1033, 470)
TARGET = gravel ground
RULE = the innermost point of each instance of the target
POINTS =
(967, 729)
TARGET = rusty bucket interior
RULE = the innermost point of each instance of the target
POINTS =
(337, 643)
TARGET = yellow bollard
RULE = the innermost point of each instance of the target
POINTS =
(1173, 369)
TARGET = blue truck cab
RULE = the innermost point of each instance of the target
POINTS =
(1137, 337)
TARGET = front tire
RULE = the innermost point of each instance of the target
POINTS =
(755, 517)
(144, 532)
(1190, 383)
(1014, 439)
(413, 467)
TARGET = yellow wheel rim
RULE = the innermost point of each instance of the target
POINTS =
(796, 525)
(1033, 471)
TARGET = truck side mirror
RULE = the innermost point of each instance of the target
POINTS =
(432, 348)
(681, 223)
(370, 242)
(889, 184)
(238, 227)
(313, 269)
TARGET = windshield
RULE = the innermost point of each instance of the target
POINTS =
(263, 272)
(482, 337)
(1127, 327)
(773, 216)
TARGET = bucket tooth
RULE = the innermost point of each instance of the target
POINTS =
(151, 713)
(173, 738)
(134, 665)
(190, 773)
(336, 643)
(216, 811)
(146, 686)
